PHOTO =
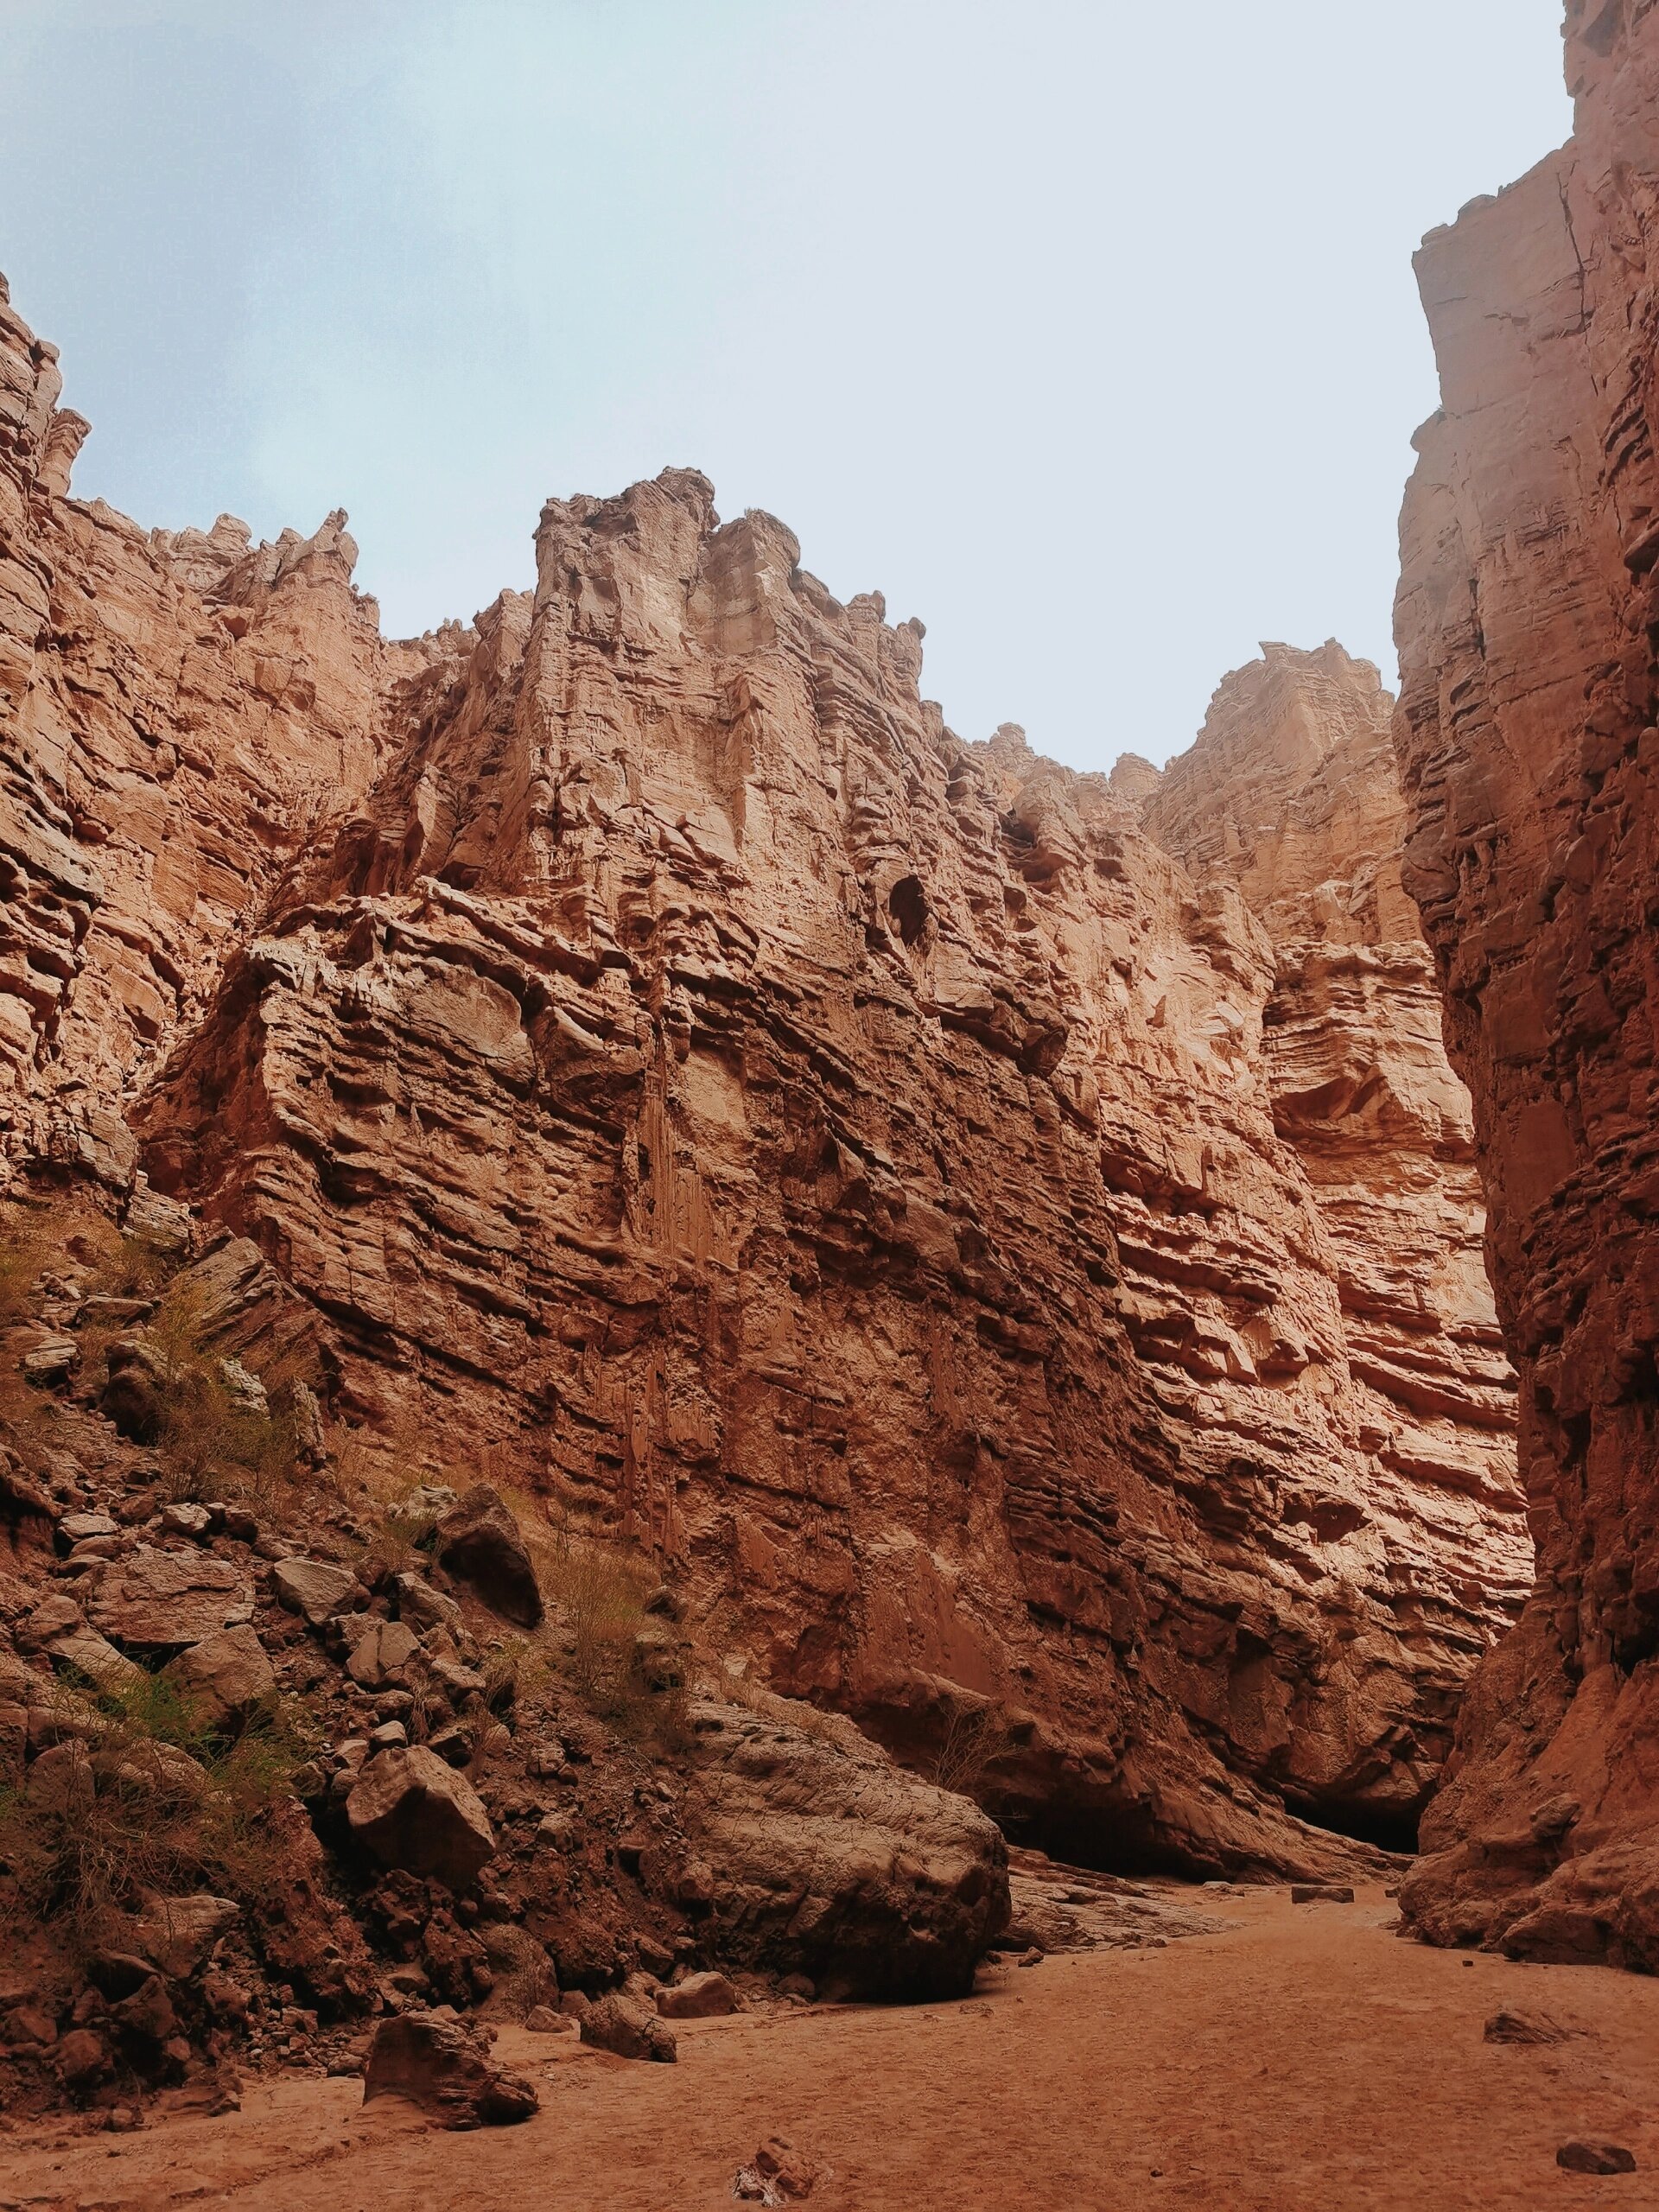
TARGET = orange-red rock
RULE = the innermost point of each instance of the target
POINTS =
(1527, 617)
(999, 1265)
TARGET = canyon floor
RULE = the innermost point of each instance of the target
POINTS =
(1301, 2059)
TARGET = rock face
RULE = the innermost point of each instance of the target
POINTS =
(1527, 737)
(927, 1208)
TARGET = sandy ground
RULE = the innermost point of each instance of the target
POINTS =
(1303, 2060)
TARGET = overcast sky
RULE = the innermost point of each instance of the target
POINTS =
(1084, 330)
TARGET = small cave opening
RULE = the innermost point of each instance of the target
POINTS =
(908, 904)
(1390, 1827)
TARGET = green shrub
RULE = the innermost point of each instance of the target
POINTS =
(177, 1806)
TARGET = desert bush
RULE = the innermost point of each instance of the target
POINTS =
(175, 1807)
(132, 1267)
(209, 1444)
(975, 1738)
(596, 1594)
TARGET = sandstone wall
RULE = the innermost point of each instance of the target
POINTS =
(1528, 613)
(866, 1168)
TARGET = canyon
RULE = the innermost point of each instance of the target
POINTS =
(732, 1355)
(1526, 623)
(1006, 1241)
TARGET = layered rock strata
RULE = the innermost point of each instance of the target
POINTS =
(1527, 613)
(866, 1169)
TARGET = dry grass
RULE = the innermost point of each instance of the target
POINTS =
(175, 1807)
(975, 1738)
(208, 1443)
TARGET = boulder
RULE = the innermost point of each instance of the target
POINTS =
(177, 1934)
(478, 1542)
(82, 2061)
(829, 1860)
(422, 1606)
(50, 1362)
(312, 1587)
(380, 1656)
(1583, 2156)
(183, 1519)
(225, 1675)
(699, 1997)
(414, 1812)
(148, 2013)
(624, 2027)
(78, 1527)
(167, 1600)
(61, 1781)
(443, 2066)
(84, 1652)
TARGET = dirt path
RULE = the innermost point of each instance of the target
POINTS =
(1303, 2061)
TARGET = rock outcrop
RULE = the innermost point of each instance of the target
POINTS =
(866, 1171)
(1528, 613)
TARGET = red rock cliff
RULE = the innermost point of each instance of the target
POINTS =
(1527, 613)
(867, 1168)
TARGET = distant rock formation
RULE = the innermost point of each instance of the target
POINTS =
(1019, 1265)
(1527, 615)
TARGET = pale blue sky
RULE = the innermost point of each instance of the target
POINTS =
(1085, 332)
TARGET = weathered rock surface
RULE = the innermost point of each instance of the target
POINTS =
(628, 2029)
(443, 2066)
(828, 1858)
(854, 1166)
(478, 1539)
(165, 1600)
(1527, 735)
(414, 1812)
(225, 1675)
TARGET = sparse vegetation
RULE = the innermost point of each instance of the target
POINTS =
(208, 1438)
(156, 1803)
(975, 1738)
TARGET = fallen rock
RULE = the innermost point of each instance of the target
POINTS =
(699, 1997)
(1321, 1893)
(414, 1812)
(52, 1361)
(179, 1518)
(778, 2174)
(422, 1606)
(226, 1675)
(177, 1934)
(478, 1542)
(82, 2061)
(78, 1526)
(624, 2027)
(1584, 2156)
(827, 1859)
(312, 1587)
(148, 2013)
(545, 2020)
(61, 1781)
(84, 1652)
(444, 2067)
(165, 1601)
(381, 1654)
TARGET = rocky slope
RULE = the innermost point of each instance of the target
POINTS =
(1526, 620)
(1015, 1270)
